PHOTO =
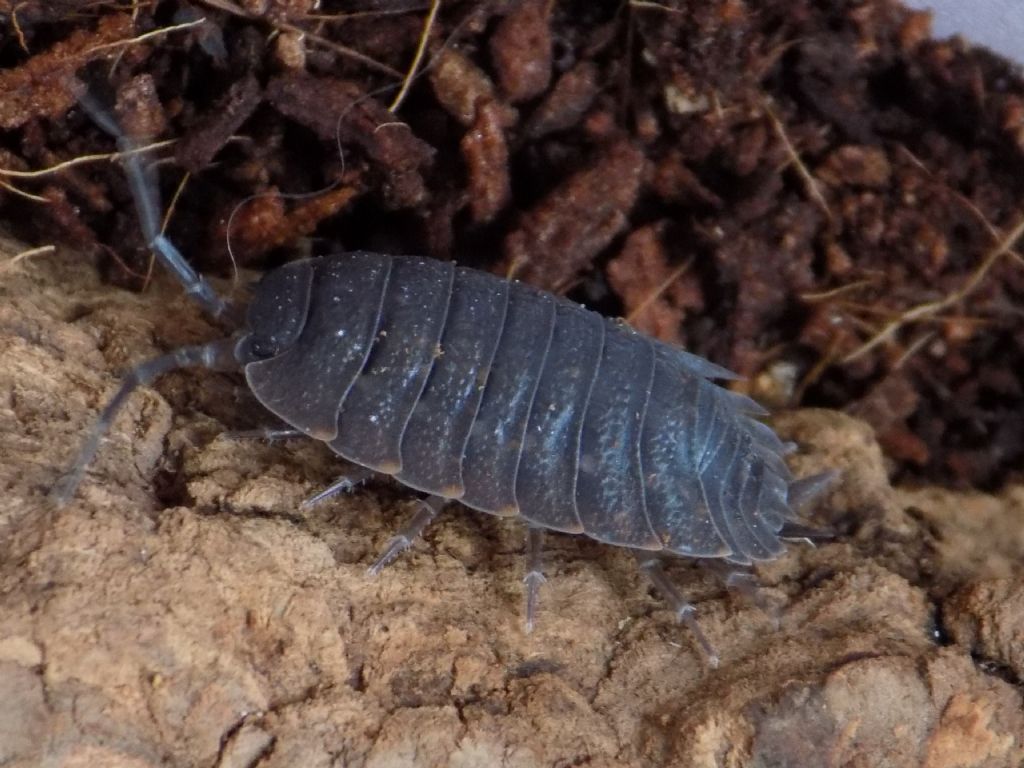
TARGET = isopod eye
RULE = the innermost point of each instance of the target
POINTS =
(277, 312)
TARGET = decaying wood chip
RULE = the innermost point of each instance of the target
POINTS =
(139, 111)
(567, 102)
(655, 293)
(521, 50)
(338, 109)
(264, 223)
(44, 85)
(198, 147)
(460, 85)
(559, 238)
(486, 154)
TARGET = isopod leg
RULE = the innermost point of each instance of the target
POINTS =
(803, 492)
(534, 572)
(270, 434)
(218, 355)
(343, 484)
(147, 203)
(746, 584)
(651, 565)
(804, 534)
(401, 541)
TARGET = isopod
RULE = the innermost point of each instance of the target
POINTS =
(508, 399)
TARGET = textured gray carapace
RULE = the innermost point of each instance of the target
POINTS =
(516, 402)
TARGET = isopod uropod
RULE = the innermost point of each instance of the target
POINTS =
(506, 398)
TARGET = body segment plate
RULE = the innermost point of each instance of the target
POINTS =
(435, 437)
(546, 483)
(305, 384)
(491, 459)
(375, 411)
(609, 487)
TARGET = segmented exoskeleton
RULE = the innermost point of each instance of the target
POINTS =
(511, 400)
(515, 402)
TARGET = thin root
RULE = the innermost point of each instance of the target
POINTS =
(84, 160)
(22, 193)
(163, 225)
(25, 255)
(146, 36)
(657, 292)
(648, 5)
(362, 58)
(810, 183)
(417, 58)
(929, 309)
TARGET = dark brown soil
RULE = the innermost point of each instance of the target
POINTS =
(814, 194)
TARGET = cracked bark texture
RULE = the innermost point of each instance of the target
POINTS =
(183, 610)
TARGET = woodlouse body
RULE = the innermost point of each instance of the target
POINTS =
(515, 402)
(507, 398)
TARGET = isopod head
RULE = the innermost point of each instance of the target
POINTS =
(277, 312)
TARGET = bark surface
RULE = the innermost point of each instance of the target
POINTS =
(184, 610)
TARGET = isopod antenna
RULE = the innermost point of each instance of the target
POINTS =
(217, 355)
(146, 194)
